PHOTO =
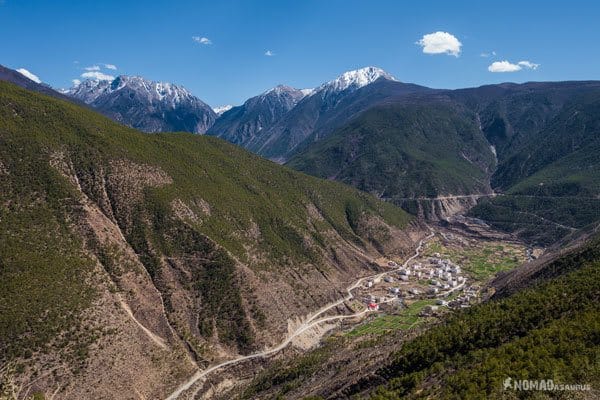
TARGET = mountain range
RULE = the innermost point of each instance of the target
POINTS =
(130, 262)
(510, 149)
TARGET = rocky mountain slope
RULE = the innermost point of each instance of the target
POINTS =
(332, 105)
(127, 260)
(241, 125)
(146, 105)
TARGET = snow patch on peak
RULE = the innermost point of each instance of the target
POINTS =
(222, 109)
(280, 89)
(287, 91)
(307, 92)
(89, 90)
(352, 80)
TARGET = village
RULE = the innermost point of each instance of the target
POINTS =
(433, 278)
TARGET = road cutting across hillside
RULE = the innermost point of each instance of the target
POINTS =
(307, 324)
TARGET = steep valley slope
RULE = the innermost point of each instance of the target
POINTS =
(437, 152)
(129, 260)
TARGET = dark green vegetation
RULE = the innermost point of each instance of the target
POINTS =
(186, 204)
(548, 141)
(438, 143)
(43, 270)
(405, 151)
(548, 331)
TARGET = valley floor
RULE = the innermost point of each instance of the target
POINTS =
(450, 269)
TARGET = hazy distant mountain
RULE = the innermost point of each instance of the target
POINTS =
(242, 124)
(146, 105)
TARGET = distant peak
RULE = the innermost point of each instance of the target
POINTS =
(279, 89)
(89, 90)
(287, 91)
(356, 79)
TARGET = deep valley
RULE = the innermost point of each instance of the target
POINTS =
(364, 239)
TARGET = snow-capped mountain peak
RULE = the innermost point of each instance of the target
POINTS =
(352, 80)
(90, 90)
(147, 105)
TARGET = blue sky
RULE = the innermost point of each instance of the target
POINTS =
(312, 41)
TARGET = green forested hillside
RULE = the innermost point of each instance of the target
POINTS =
(404, 151)
(192, 209)
(548, 331)
(545, 136)
(551, 175)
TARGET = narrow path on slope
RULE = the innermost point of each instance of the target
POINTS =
(155, 338)
(309, 323)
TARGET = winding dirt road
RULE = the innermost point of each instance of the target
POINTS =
(309, 323)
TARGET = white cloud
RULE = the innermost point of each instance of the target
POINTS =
(29, 75)
(269, 53)
(507, 66)
(504, 66)
(110, 66)
(440, 43)
(76, 82)
(201, 40)
(92, 68)
(99, 76)
(528, 64)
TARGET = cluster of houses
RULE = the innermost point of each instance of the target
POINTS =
(443, 275)
(466, 297)
(436, 279)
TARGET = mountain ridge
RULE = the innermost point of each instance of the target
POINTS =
(240, 125)
(146, 105)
